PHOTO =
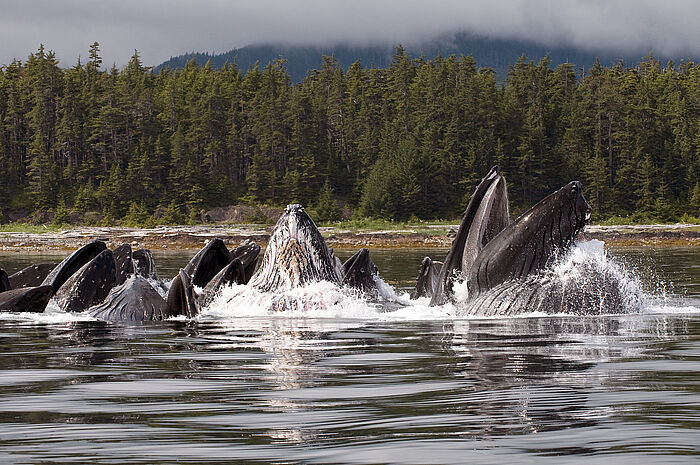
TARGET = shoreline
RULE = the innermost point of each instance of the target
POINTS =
(424, 236)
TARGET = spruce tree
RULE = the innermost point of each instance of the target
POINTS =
(327, 209)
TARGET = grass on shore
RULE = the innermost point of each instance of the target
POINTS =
(640, 220)
(373, 224)
(433, 227)
(33, 228)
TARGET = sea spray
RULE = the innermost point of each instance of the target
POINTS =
(588, 268)
(589, 280)
(321, 300)
(583, 281)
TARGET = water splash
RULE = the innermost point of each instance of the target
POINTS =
(588, 260)
(52, 315)
(584, 281)
(586, 272)
(319, 299)
(608, 284)
(581, 267)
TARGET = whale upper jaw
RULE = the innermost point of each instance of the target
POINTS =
(486, 215)
(489, 250)
(296, 255)
(532, 241)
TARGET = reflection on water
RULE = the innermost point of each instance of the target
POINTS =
(343, 391)
(620, 389)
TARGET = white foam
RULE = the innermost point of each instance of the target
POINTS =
(460, 289)
(47, 317)
(388, 293)
(587, 265)
(326, 301)
(321, 300)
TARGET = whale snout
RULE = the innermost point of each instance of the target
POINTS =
(294, 208)
(582, 204)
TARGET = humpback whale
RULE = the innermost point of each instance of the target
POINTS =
(4, 281)
(89, 285)
(208, 262)
(26, 299)
(135, 300)
(233, 273)
(212, 268)
(247, 253)
(144, 265)
(499, 267)
(505, 265)
(296, 256)
(486, 215)
(124, 262)
(72, 263)
(427, 278)
(181, 297)
(359, 272)
(31, 276)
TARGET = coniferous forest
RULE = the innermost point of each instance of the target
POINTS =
(407, 141)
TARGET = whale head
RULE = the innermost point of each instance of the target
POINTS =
(296, 255)
(532, 240)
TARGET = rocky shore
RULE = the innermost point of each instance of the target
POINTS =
(439, 236)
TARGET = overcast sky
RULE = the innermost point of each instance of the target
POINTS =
(160, 29)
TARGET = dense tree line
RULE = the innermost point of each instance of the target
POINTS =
(409, 140)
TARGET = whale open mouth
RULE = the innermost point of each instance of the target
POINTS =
(485, 217)
(488, 249)
(532, 241)
(296, 255)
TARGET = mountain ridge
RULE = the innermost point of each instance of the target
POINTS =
(497, 54)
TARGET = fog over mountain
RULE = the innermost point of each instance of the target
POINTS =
(497, 54)
(160, 29)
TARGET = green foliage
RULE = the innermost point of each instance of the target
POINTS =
(411, 140)
(257, 216)
(327, 209)
(85, 198)
(30, 228)
(396, 187)
(172, 214)
(688, 219)
(60, 214)
(695, 200)
(107, 217)
(137, 216)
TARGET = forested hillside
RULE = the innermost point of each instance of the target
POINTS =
(408, 140)
(494, 53)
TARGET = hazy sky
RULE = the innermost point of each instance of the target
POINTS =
(160, 29)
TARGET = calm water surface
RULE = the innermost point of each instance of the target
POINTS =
(380, 389)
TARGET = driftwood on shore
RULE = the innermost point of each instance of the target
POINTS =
(184, 237)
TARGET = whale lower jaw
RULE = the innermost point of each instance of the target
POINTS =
(586, 289)
(294, 265)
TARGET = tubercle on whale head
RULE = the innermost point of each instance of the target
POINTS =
(572, 196)
(294, 207)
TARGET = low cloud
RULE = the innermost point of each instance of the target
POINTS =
(159, 29)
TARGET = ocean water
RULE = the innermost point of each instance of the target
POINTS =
(354, 381)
